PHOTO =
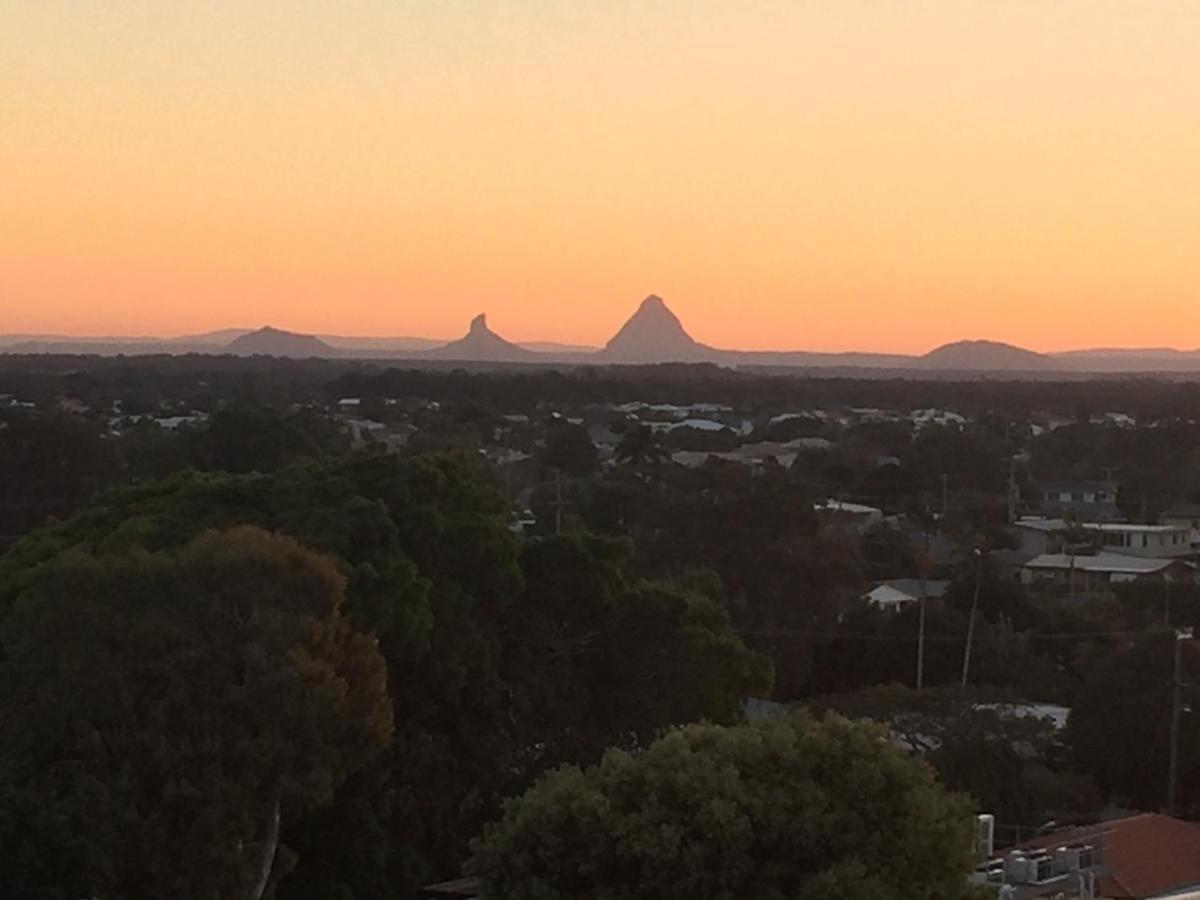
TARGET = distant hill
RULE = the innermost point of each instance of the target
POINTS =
(1140, 359)
(984, 356)
(481, 344)
(654, 334)
(362, 345)
(555, 347)
(220, 338)
(270, 341)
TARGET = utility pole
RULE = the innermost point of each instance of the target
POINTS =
(923, 561)
(558, 502)
(1012, 489)
(971, 619)
(1181, 635)
(945, 501)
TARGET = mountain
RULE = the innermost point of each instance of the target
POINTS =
(268, 341)
(363, 345)
(984, 356)
(654, 334)
(556, 347)
(481, 344)
(220, 338)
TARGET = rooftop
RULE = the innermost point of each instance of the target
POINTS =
(1101, 562)
(1149, 855)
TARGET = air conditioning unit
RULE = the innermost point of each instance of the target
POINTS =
(985, 836)
(1016, 868)
(1066, 859)
(1041, 868)
(988, 873)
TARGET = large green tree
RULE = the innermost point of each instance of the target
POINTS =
(789, 808)
(502, 657)
(987, 744)
(1120, 728)
(162, 714)
(605, 660)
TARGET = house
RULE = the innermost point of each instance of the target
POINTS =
(1083, 501)
(1155, 541)
(1166, 541)
(809, 444)
(895, 594)
(855, 516)
(1141, 857)
(1185, 515)
(699, 425)
(458, 889)
(1038, 534)
(921, 418)
(759, 454)
(1087, 571)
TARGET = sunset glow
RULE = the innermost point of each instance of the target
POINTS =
(828, 175)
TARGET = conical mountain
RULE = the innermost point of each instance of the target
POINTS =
(483, 345)
(654, 334)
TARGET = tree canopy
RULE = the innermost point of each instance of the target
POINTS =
(788, 808)
(502, 657)
(160, 712)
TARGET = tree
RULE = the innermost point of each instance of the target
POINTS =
(783, 576)
(52, 464)
(479, 632)
(987, 744)
(163, 713)
(605, 661)
(568, 449)
(1119, 727)
(640, 446)
(786, 808)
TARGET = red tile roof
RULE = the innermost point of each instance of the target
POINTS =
(1147, 855)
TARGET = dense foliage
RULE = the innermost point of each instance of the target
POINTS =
(161, 712)
(790, 808)
(501, 658)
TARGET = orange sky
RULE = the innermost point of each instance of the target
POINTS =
(846, 174)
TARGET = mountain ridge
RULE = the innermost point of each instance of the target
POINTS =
(652, 334)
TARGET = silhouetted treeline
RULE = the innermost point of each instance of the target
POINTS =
(204, 381)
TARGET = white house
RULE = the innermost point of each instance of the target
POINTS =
(894, 595)
(855, 515)
(1166, 541)
(1186, 515)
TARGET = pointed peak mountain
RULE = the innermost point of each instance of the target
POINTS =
(654, 334)
(482, 344)
(269, 341)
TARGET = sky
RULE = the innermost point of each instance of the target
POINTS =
(790, 174)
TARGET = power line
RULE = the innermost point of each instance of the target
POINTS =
(946, 637)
